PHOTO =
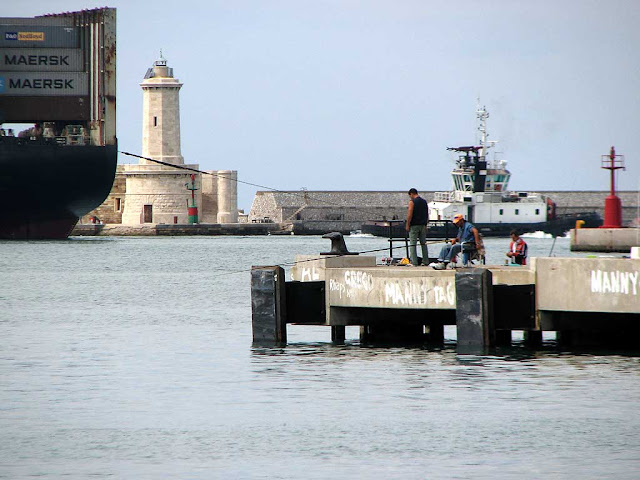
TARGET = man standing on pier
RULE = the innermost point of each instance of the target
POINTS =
(417, 218)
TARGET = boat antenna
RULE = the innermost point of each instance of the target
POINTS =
(482, 115)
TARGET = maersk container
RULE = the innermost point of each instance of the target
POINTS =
(38, 36)
(90, 97)
(41, 60)
(44, 84)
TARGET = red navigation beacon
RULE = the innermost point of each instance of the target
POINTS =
(612, 204)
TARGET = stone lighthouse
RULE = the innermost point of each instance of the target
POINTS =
(161, 115)
(158, 193)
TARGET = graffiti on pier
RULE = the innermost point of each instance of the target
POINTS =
(625, 283)
(309, 274)
(361, 288)
(352, 281)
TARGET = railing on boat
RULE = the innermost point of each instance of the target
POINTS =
(444, 196)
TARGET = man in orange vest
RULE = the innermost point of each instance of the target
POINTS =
(517, 249)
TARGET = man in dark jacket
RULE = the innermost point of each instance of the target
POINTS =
(417, 218)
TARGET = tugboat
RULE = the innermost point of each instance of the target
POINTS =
(481, 194)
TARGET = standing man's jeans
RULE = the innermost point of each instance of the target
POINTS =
(418, 232)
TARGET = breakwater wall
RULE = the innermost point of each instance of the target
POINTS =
(270, 228)
(362, 206)
(178, 230)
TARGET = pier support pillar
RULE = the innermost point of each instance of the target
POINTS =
(503, 337)
(338, 334)
(407, 333)
(533, 338)
(268, 305)
(436, 333)
(474, 310)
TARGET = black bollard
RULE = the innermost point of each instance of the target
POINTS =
(338, 247)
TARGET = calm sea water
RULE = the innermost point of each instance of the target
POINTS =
(132, 358)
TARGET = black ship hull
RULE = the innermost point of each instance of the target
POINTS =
(45, 188)
(445, 229)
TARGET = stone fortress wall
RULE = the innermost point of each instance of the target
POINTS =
(165, 190)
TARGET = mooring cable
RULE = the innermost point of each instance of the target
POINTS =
(329, 255)
(303, 196)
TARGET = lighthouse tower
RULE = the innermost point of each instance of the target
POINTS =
(161, 114)
(157, 193)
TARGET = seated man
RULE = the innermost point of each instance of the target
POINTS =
(517, 249)
(467, 234)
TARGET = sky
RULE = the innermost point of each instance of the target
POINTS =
(368, 94)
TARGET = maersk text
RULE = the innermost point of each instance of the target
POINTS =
(36, 60)
(41, 83)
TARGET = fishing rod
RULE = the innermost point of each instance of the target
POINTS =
(305, 197)
(332, 255)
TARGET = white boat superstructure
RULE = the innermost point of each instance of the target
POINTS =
(480, 189)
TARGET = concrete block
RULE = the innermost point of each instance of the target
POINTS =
(512, 274)
(588, 284)
(311, 268)
(604, 239)
(401, 288)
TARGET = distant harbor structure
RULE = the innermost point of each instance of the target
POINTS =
(480, 193)
(612, 236)
(148, 193)
(345, 211)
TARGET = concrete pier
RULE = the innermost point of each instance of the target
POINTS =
(619, 240)
(587, 301)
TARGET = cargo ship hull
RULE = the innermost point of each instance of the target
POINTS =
(45, 188)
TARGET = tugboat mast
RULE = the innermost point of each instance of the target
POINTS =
(482, 115)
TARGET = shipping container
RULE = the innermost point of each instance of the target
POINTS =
(44, 84)
(39, 36)
(85, 91)
(55, 20)
(44, 109)
(41, 60)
